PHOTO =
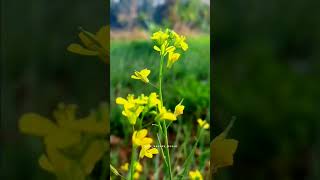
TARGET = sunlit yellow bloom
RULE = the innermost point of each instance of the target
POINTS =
(195, 175)
(180, 42)
(164, 48)
(132, 114)
(178, 109)
(203, 124)
(127, 103)
(124, 167)
(165, 115)
(142, 75)
(136, 175)
(139, 138)
(147, 151)
(160, 36)
(142, 99)
(138, 167)
(153, 99)
(172, 58)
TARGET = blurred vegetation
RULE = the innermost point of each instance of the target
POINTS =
(266, 73)
(190, 14)
(37, 73)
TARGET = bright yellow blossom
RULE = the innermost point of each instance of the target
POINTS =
(203, 124)
(142, 75)
(160, 36)
(172, 58)
(153, 99)
(139, 138)
(165, 115)
(180, 41)
(195, 175)
(178, 109)
(133, 114)
(127, 103)
(147, 151)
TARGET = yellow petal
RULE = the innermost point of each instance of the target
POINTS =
(169, 116)
(142, 133)
(134, 77)
(62, 138)
(103, 36)
(35, 124)
(78, 49)
(154, 151)
(121, 100)
(145, 72)
(93, 154)
(45, 164)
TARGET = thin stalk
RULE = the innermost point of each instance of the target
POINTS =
(133, 157)
(160, 80)
(167, 149)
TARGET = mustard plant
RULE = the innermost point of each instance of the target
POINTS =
(170, 46)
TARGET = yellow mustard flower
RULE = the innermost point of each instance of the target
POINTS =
(165, 115)
(127, 103)
(139, 138)
(147, 151)
(133, 114)
(94, 44)
(136, 175)
(178, 109)
(172, 58)
(67, 134)
(164, 48)
(125, 167)
(141, 75)
(180, 42)
(138, 167)
(142, 99)
(153, 99)
(195, 175)
(203, 124)
(160, 36)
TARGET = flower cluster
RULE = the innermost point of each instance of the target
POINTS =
(73, 145)
(138, 169)
(169, 43)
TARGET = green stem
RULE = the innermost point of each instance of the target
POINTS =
(167, 149)
(133, 157)
(160, 80)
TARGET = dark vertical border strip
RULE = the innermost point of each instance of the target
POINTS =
(211, 71)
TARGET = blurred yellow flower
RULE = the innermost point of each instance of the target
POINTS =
(138, 167)
(203, 124)
(178, 109)
(172, 58)
(94, 44)
(195, 175)
(139, 138)
(147, 151)
(180, 41)
(125, 167)
(136, 175)
(142, 75)
(70, 135)
(160, 36)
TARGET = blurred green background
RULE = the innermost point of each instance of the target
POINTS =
(266, 73)
(37, 73)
